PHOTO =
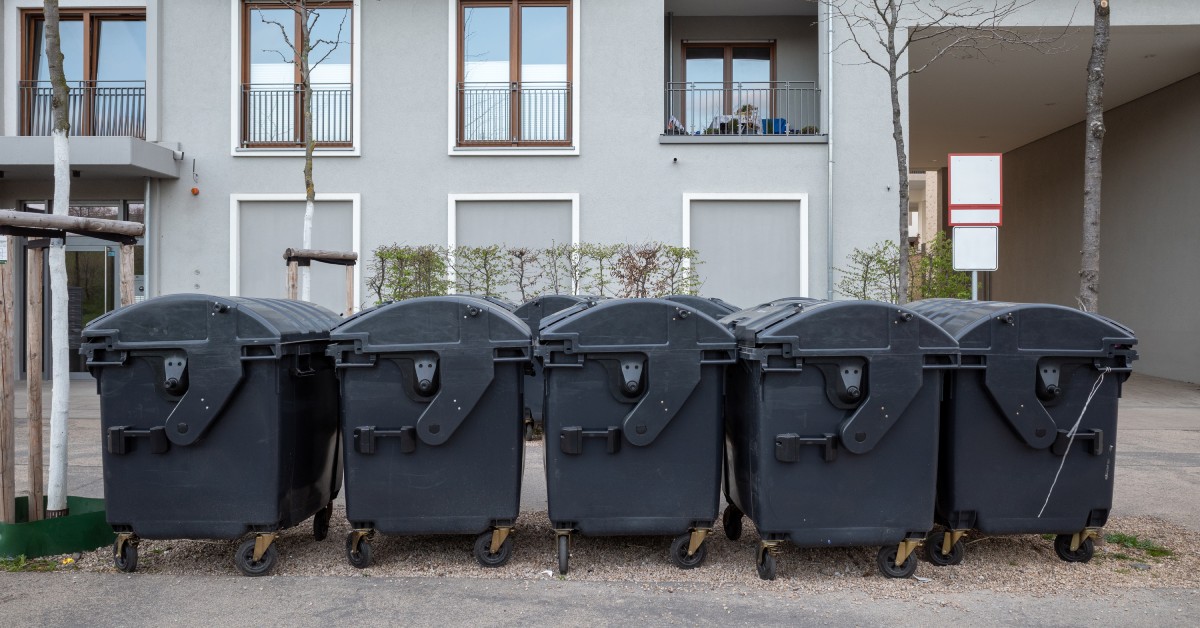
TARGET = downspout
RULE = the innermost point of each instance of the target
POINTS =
(149, 251)
(670, 67)
(829, 146)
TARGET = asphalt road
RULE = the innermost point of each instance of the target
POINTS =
(138, 600)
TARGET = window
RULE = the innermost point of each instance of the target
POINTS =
(104, 62)
(271, 84)
(729, 88)
(514, 73)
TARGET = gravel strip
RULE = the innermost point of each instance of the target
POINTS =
(1023, 564)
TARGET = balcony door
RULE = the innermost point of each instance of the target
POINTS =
(104, 60)
(514, 72)
(728, 87)
(272, 88)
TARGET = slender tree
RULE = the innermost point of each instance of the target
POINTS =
(56, 494)
(1089, 272)
(885, 30)
(309, 14)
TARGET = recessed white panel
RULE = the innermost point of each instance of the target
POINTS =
(975, 179)
(976, 248)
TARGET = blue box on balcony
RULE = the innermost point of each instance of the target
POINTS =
(774, 126)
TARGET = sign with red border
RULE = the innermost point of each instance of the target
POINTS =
(975, 188)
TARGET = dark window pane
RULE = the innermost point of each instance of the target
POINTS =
(757, 52)
(106, 212)
(136, 212)
(705, 53)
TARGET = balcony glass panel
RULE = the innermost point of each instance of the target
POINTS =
(122, 56)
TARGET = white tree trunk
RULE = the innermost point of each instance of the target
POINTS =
(309, 210)
(56, 494)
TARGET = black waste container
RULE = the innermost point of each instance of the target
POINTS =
(219, 416)
(532, 312)
(431, 421)
(712, 306)
(633, 422)
(1019, 453)
(832, 426)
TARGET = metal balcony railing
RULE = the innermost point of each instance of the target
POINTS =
(760, 108)
(112, 108)
(272, 115)
(491, 114)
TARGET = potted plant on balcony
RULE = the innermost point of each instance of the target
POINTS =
(747, 116)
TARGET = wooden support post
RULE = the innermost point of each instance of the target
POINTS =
(33, 378)
(292, 279)
(8, 433)
(126, 275)
(349, 290)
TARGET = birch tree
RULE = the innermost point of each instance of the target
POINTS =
(1089, 272)
(885, 30)
(56, 494)
(309, 15)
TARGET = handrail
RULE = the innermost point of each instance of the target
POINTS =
(107, 108)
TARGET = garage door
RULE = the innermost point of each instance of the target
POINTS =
(751, 251)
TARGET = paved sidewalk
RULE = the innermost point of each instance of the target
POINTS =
(1158, 450)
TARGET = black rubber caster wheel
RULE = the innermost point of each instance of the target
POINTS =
(244, 559)
(887, 563)
(679, 555)
(766, 564)
(1062, 547)
(321, 522)
(564, 557)
(529, 432)
(731, 520)
(361, 557)
(126, 558)
(483, 550)
(933, 550)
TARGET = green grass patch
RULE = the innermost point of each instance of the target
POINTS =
(20, 563)
(1121, 556)
(1132, 542)
(1048, 537)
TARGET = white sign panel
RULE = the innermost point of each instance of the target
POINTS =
(3, 249)
(975, 180)
(971, 216)
(976, 248)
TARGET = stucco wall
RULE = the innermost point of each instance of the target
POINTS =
(1149, 225)
(630, 185)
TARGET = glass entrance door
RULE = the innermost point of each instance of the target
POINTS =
(93, 278)
(92, 290)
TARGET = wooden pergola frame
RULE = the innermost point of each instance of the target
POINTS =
(40, 228)
(305, 257)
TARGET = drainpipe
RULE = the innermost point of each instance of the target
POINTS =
(149, 252)
(670, 67)
(829, 146)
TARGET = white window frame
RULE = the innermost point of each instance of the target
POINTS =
(452, 201)
(801, 197)
(12, 53)
(235, 100)
(235, 218)
(452, 147)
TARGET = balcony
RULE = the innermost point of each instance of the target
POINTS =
(514, 114)
(272, 115)
(96, 108)
(743, 110)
